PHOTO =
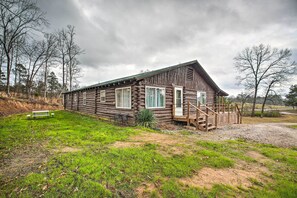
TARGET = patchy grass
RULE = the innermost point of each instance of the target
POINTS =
(283, 118)
(83, 161)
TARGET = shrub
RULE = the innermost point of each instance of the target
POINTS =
(272, 113)
(145, 118)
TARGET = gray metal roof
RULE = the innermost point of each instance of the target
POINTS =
(141, 76)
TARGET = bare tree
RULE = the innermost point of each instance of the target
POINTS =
(62, 55)
(260, 63)
(33, 54)
(49, 56)
(17, 17)
(72, 50)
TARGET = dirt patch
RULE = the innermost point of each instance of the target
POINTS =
(167, 144)
(241, 175)
(145, 189)
(127, 144)
(278, 134)
(22, 161)
(67, 150)
(158, 138)
(258, 156)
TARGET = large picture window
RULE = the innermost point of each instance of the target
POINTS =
(201, 97)
(123, 97)
(155, 97)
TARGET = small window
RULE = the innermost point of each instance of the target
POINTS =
(102, 96)
(68, 96)
(84, 98)
(190, 74)
(155, 97)
(123, 97)
(201, 97)
(74, 98)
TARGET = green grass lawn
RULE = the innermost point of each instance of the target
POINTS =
(95, 168)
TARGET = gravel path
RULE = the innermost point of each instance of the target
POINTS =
(278, 134)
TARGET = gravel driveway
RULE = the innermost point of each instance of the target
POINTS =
(278, 134)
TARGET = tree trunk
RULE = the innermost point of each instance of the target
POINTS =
(63, 74)
(265, 98)
(254, 101)
(8, 76)
(45, 80)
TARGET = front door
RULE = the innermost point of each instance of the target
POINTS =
(178, 101)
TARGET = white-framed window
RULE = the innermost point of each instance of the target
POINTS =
(68, 97)
(84, 98)
(102, 96)
(74, 97)
(123, 97)
(154, 97)
(201, 97)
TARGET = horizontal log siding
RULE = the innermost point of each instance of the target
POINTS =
(108, 108)
(89, 107)
(169, 79)
(68, 98)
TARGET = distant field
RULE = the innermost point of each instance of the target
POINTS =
(283, 118)
(72, 155)
(267, 107)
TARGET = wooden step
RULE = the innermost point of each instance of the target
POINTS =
(212, 128)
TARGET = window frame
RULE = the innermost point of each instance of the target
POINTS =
(154, 87)
(104, 96)
(84, 98)
(200, 98)
(115, 96)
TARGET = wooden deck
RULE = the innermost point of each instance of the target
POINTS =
(200, 124)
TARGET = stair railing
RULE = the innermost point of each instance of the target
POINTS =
(198, 112)
(215, 114)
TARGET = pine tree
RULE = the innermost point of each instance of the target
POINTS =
(291, 98)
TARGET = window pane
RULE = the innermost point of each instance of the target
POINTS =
(126, 97)
(119, 98)
(160, 97)
(178, 98)
(150, 98)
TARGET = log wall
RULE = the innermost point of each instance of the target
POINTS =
(170, 79)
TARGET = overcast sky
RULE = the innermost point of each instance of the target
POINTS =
(123, 37)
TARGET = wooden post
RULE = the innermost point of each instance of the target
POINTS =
(228, 113)
(197, 119)
(219, 104)
(188, 113)
(223, 104)
(206, 118)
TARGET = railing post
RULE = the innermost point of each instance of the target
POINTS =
(228, 113)
(223, 104)
(206, 127)
(188, 113)
(216, 120)
(197, 119)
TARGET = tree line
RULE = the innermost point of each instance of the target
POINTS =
(29, 56)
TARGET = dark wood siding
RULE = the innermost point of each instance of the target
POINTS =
(108, 108)
(89, 106)
(190, 80)
(177, 77)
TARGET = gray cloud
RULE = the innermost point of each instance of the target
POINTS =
(124, 37)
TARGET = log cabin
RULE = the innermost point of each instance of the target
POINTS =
(180, 93)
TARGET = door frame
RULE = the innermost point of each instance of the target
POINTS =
(174, 101)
